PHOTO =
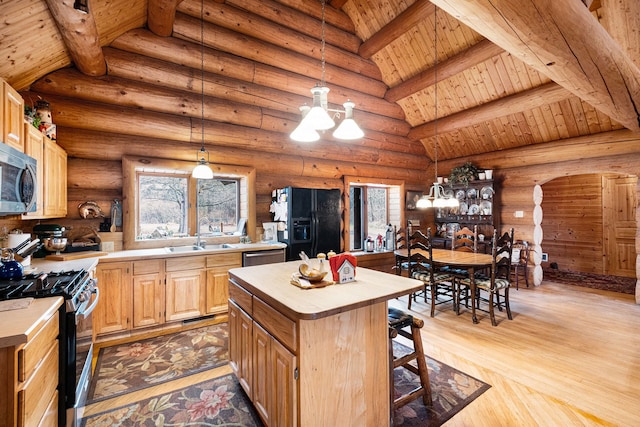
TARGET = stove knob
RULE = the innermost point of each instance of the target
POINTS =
(82, 296)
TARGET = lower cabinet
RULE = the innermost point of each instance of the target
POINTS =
(29, 378)
(147, 293)
(265, 368)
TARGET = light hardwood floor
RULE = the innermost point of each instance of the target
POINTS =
(570, 357)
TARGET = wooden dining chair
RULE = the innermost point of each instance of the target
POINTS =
(465, 239)
(520, 261)
(401, 240)
(439, 287)
(499, 279)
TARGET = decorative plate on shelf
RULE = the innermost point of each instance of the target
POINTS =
(487, 193)
(472, 193)
(463, 208)
(485, 207)
(460, 194)
(474, 209)
(448, 193)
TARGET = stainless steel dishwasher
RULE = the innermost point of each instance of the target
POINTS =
(270, 256)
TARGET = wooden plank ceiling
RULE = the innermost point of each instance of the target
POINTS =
(535, 75)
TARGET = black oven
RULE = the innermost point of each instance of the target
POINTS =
(81, 296)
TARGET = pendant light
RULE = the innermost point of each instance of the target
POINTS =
(436, 197)
(317, 118)
(202, 170)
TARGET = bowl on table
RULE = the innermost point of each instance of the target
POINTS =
(310, 273)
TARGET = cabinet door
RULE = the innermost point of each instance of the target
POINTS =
(115, 305)
(55, 180)
(240, 346)
(148, 300)
(283, 386)
(262, 372)
(34, 147)
(12, 118)
(184, 294)
(217, 293)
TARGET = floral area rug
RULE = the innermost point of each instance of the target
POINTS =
(451, 391)
(217, 402)
(133, 366)
(221, 401)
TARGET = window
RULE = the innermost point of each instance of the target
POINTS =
(163, 205)
(161, 198)
(372, 207)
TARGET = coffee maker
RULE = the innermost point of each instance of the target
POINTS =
(45, 231)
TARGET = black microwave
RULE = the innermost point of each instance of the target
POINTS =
(18, 181)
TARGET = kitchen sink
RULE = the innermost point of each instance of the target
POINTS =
(189, 248)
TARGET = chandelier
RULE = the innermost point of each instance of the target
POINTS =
(436, 197)
(317, 119)
(202, 170)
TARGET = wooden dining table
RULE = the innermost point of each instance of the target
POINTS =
(470, 261)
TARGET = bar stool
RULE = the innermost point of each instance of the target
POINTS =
(398, 321)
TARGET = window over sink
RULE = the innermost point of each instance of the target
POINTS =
(161, 198)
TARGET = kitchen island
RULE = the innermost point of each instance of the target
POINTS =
(313, 357)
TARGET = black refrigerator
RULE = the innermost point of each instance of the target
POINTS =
(312, 221)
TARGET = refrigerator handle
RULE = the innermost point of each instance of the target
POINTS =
(314, 235)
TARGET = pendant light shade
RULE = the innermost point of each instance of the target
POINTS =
(320, 117)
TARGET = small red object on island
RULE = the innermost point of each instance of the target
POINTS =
(343, 268)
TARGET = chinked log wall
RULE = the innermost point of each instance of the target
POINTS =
(520, 170)
(152, 107)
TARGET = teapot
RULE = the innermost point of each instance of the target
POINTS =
(10, 268)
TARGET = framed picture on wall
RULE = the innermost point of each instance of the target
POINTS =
(412, 199)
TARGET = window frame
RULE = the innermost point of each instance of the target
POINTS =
(396, 214)
(132, 164)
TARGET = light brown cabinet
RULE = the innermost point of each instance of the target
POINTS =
(148, 293)
(217, 290)
(264, 366)
(12, 117)
(185, 289)
(29, 375)
(114, 310)
(55, 180)
(51, 174)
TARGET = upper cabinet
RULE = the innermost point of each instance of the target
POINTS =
(12, 115)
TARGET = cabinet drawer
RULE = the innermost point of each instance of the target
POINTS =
(281, 327)
(35, 396)
(34, 351)
(185, 263)
(241, 297)
(232, 258)
(147, 267)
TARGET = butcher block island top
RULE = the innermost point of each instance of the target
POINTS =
(313, 357)
(272, 283)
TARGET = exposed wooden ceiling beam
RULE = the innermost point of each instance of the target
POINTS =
(542, 95)
(562, 40)
(402, 23)
(80, 35)
(160, 16)
(476, 54)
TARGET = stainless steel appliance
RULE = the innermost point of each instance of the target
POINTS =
(18, 181)
(270, 256)
(313, 221)
(46, 231)
(81, 296)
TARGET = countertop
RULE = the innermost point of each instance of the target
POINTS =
(19, 326)
(271, 283)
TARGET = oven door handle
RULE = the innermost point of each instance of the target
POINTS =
(87, 312)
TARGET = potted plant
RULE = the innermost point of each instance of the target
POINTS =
(463, 174)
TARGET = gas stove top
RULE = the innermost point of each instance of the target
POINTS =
(67, 284)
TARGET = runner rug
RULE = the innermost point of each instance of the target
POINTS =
(221, 401)
(136, 365)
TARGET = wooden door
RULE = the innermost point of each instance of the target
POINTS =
(148, 300)
(114, 306)
(184, 295)
(619, 214)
